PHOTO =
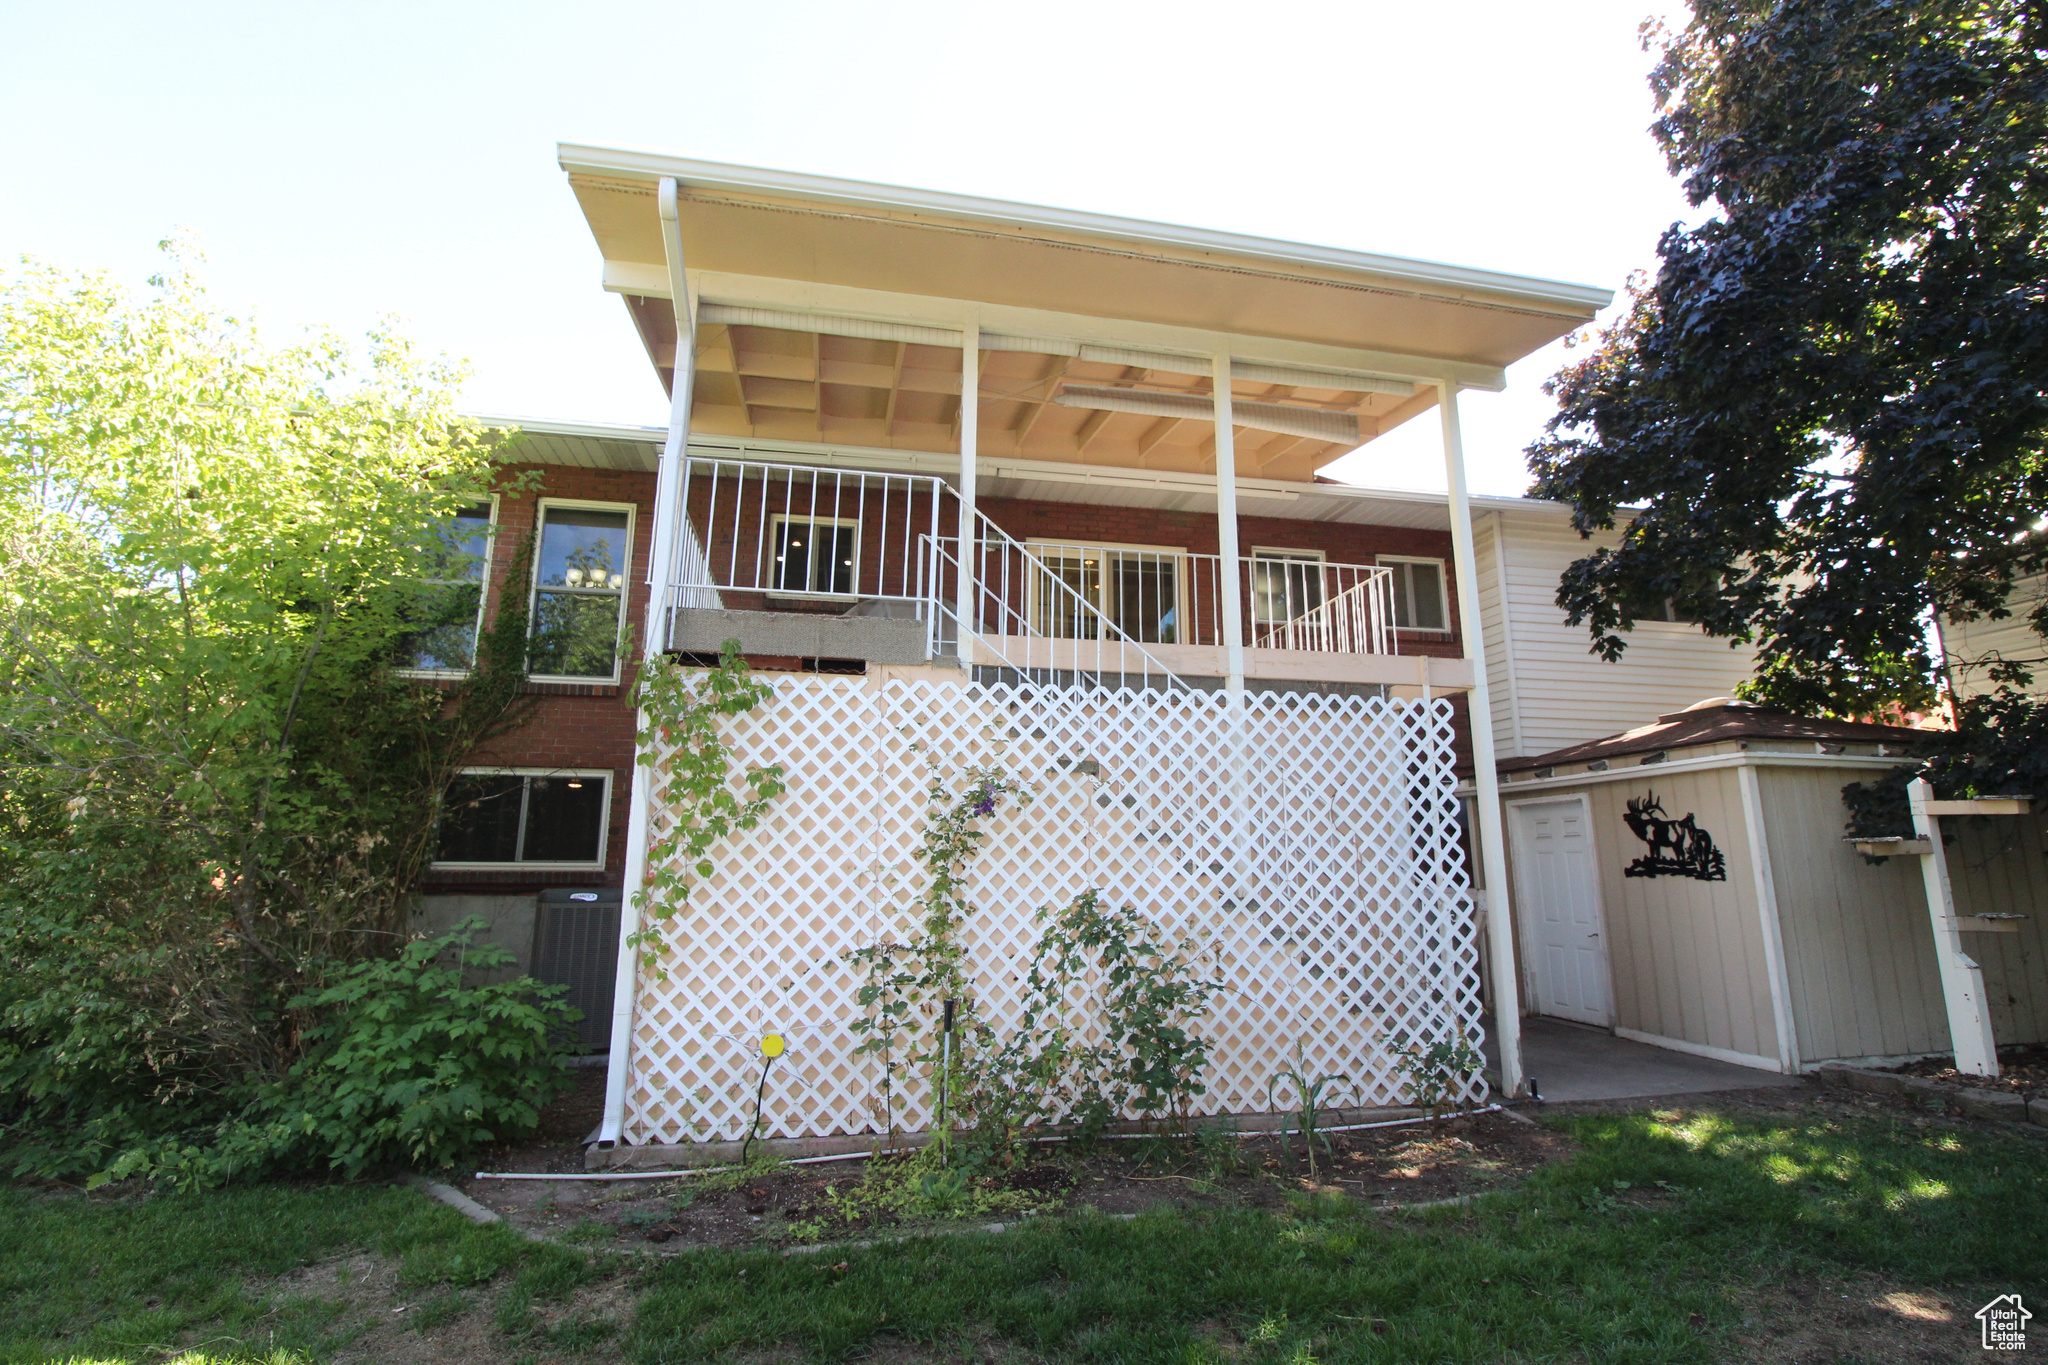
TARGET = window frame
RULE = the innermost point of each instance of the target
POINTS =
(778, 519)
(1285, 554)
(483, 601)
(534, 589)
(1177, 555)
(604, 822)
(1443, 592)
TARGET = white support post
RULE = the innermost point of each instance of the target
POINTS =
(1507, 997)
(1230, 599)
(970, 445)
(1962, 980)
(661, 574)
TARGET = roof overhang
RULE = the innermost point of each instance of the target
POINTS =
(888, 276)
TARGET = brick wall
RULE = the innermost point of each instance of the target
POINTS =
(574, 725)
(591, 726)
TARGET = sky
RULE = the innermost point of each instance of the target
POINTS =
(343, 164)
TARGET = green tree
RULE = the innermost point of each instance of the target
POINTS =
(1831, 403)
(218, 790)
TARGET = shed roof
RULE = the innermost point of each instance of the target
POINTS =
(1718, 720)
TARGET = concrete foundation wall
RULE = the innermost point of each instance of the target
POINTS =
(510, 920)
(877, 639)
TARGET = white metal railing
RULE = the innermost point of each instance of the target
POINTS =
(1033, 619)
(758, 535)
(755, 535)
(1171, 597)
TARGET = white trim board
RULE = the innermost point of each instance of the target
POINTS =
(1716, 1054)
(1769, 924)
(1694, 765)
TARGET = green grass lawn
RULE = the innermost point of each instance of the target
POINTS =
(1642, 1248)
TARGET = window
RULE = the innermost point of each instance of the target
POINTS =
(1286, 585)
(814, 554)
(498, 817)
(1657, 609)
(446, 613)
(1135, 588)
(1418, 587)
(579, 590)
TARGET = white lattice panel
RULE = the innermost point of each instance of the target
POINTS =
(1308, 844)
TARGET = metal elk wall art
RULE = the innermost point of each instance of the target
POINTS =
(1678, 848)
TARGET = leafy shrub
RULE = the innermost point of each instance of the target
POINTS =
(216, 789)
(1440, 1071)
(404, 1064)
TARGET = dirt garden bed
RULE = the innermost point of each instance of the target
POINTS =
(792, 1205)
(2021, 1071)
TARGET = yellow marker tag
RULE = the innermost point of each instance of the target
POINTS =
(771, 1045)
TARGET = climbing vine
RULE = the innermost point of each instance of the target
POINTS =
(1137, 996)
(693, 767)
(905, 982)
(1108, 1009)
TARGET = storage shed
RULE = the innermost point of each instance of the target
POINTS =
(1687, 884)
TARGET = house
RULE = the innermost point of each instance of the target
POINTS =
(1971, 649)
(1236, 694)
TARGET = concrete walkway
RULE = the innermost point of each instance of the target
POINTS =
(1574, 1062)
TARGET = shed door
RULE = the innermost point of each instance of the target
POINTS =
(1559, 890)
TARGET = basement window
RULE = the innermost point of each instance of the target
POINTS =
(525, 817)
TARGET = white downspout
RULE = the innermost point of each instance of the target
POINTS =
(1507, 999)
(660, 576)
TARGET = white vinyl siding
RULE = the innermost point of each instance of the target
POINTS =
(1971, 645)
(1559, 692)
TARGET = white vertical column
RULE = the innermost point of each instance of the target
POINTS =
(1507, 998)
(970, 443)
(661, 575)
(1229, 601)
(1962, 980)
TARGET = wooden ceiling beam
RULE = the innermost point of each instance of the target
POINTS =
(1050, 381)
(1091, 426)
(1158, 432)
(895, 388)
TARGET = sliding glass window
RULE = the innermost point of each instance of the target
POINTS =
(1286, 585)
(495, 818)
(1080, 586)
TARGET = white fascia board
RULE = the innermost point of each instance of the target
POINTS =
(546, 426)
(1513, 788)
(628, 164)
(921, 310)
